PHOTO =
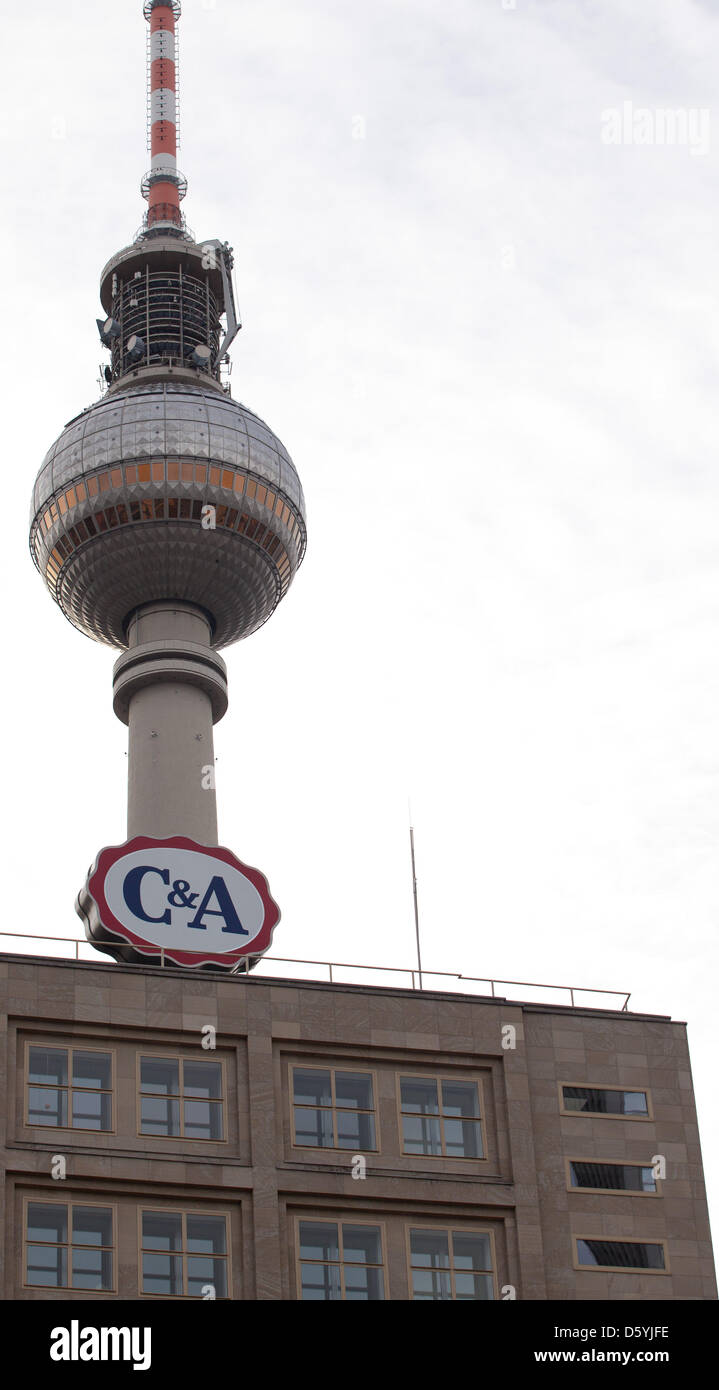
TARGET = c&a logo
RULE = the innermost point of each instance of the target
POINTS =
(177, 900)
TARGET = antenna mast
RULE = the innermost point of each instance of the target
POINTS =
(163, 185)
(416, 907)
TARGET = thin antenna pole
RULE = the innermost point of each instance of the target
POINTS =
(416, 906)
(163, 185)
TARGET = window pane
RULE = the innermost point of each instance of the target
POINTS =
(475, 1286)
(161, 1231)
(314, 1127)
(312, 1087)
(159, 1115)
(162, 1274)
(92, 1226)
(203, 1271)
(627, 1177)
(595, 1100)
(353, 1090)
(624, 1254)
(419, 1095)
(430, 1248)
(355, 1131)
(421, 1134)
(635, 1103)
(471, 1252)
(47, 1264)
(92, 1069)
(362, 1245)
(575, 1099)
(649, 1182)
(46, 1106)
(318, 1240)
(45, 1222)
(206, 1235)
(587, 1175)
(160, 1075)
(91, 1269)
(91, 1110)
(321, 1282)
(363, 1284)
(203, 1119)
(460, 1098)
(48, 1064)
(202, 1079)
(431, 1284)
(463, 1138)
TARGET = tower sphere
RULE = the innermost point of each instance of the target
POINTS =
(167, 488)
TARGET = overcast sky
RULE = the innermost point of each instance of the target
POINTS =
(479, 303)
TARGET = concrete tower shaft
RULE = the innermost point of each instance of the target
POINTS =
(170, 688)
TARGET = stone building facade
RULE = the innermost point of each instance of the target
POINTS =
(168, 1135)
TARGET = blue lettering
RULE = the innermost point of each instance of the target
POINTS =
(131, 892)
(226, 908)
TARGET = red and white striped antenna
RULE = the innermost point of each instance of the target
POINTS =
(163, 185)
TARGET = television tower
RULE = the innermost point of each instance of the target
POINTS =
(168, 520)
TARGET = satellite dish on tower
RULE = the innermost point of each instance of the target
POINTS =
(108, 330)
(201, 355)
(135, 348)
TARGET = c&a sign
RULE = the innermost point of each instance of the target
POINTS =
(178, 901)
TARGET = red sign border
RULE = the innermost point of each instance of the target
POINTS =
(111, 854)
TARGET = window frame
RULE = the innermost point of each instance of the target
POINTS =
(169, 1056)
(619, 1269)
(449, 1227)
(602, 1115)
(41, 1198)
(332, 1068)
(69, 1048)
(330, 1219)
(183, 1211)
(612, 1163)
(439, 1078)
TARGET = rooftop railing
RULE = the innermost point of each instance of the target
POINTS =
(334, 972)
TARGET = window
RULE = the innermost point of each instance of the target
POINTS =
(440, 1117)
(621, 1177)
(333, 1109)
(605, 1100)
(340, 1260)
(621, 1254)
(69, 1088)
(68, 1246)
(181, 1097)
(451, 1264)
(183, 1254)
